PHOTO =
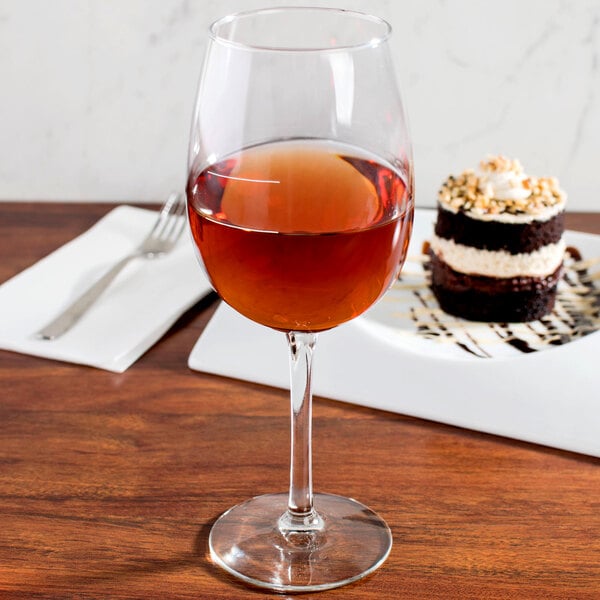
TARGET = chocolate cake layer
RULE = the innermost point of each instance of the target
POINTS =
(478, 298)
(516, 238)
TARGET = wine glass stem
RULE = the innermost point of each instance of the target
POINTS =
(300, 515)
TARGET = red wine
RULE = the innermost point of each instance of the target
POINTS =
(300, 236)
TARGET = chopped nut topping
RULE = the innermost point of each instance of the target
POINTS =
(468, 193)
(501, 164)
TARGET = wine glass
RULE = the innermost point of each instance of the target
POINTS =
(300, 205)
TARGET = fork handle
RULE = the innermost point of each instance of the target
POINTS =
(77, 309)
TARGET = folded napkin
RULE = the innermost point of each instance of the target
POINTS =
(131, 315)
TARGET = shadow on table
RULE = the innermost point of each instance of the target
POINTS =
(198, 558)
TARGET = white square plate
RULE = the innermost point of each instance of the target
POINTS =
(550, 396)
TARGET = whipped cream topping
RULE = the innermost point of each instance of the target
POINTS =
(503, 179)
(499, 263)
(503, 186)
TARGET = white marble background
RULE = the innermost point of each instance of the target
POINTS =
(96, 95)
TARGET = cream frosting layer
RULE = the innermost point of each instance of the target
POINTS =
(499, 263)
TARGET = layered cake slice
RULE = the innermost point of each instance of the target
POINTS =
(497, 251)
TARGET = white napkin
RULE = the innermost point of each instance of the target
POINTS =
(132, 314)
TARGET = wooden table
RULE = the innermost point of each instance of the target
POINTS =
(109, 483)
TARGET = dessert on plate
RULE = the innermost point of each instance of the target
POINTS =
(498, 248)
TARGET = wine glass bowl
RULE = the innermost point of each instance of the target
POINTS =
(300, 204)
(300, 235)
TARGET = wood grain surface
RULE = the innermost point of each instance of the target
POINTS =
(109, 482)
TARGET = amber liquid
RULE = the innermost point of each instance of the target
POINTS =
(300, 236)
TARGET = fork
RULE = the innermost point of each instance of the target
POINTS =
(161, 239)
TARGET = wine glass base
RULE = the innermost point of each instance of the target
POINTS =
(246, 541)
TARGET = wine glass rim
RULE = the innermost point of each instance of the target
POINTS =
(368, 43)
